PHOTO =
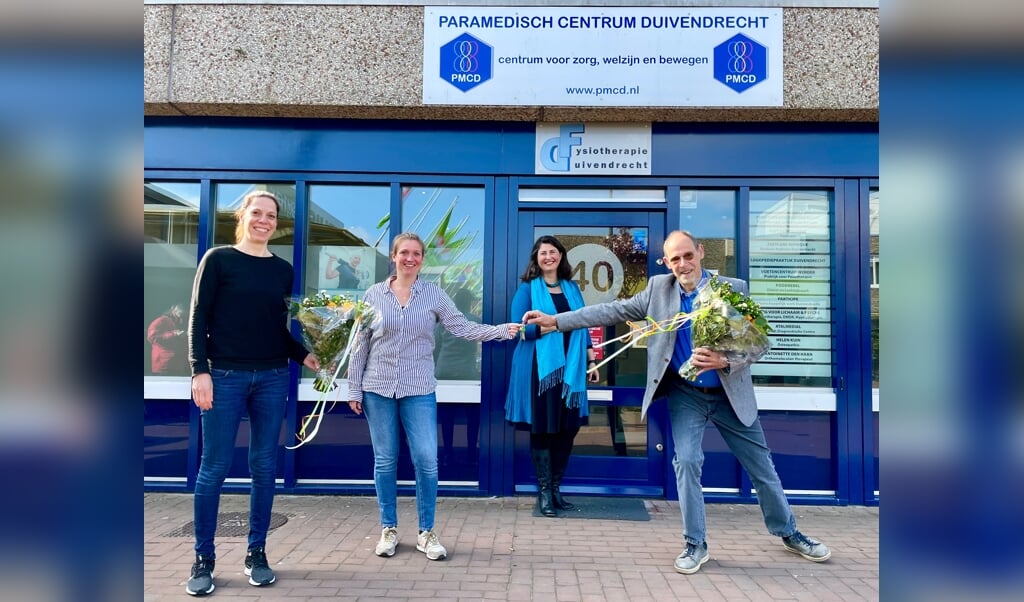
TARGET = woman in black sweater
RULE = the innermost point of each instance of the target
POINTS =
(239, 346)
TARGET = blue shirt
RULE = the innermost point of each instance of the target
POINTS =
(684, 338)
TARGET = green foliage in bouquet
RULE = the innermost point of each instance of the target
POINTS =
(330, 328)
(327, 322)
(715, 326)
(727, 321)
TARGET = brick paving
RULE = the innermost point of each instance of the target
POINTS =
(498, 551)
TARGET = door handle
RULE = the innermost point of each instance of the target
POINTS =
(659, 447)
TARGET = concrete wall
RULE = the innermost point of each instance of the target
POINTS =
(366, 62)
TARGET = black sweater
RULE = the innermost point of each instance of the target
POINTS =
(239, 316)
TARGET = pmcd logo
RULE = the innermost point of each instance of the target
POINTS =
(466, 62)
(555, 152)
(741, 62)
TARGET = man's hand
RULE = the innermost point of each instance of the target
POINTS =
(202, 391)
(538, 317)
(708, 359)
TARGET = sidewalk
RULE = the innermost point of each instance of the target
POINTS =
(497, 550)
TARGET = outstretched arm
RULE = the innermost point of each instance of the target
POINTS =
(602, 314)
(332, 267)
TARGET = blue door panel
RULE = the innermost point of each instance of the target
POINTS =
(802, 448)
(341, 449)
(873, 483)
(166, 437)
(721, 470)
(240, 458)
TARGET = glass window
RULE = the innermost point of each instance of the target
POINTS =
(228, 197)
(609, 263)
(170, 250)
(591, 195)
(873, 252)
(710, 215)
(791, 277)
(347, 247)
(450, 220)
(348, 237)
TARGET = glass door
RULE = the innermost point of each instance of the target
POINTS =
(611, 253)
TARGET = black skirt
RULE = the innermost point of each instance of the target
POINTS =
(549, 412)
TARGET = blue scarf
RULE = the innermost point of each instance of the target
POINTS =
(553, 366)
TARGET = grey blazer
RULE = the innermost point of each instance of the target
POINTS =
(660, 300)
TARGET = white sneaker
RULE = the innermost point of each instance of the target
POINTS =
(429, 544)
(388, 542)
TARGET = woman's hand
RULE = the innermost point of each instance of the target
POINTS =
(311, 362)
(202, 391)
(593, 375)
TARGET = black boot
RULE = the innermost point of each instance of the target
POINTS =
(542, 466)
(556, 495)
(560, 452)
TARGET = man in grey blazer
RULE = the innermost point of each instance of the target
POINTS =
(723, 393)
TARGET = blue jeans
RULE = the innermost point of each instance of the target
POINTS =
(262, 394)
(418, 414)
(689, 411)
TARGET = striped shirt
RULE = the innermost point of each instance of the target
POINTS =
(394, 357)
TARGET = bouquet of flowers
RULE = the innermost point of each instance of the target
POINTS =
(330, 325)
(727, 321)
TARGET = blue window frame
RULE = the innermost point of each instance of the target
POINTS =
(499, 156)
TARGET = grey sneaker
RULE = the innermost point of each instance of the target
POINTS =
(201, 581)
(428, 543)
(811, 549)
(257, 569)
(692, 558)
(388, 542)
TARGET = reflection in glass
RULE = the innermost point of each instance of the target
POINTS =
(710, 215)
(346, 250)
(609, 264)
(613, 431)
(228, 197)
(873, 252)
(791, 277)
(348, 247)
(171, 227)
(450, 220)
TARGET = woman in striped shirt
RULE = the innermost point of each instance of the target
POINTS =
(391, 379)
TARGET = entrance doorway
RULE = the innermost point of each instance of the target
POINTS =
(612, 253)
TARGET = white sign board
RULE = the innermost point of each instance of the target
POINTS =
(593, 148)
(602, 56)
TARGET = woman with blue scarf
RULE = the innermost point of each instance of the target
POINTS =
(547, 394)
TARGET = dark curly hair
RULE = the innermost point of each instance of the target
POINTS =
(533, 268)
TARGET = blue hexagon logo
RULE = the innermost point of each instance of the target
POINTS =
(466, 62)
(741, 62)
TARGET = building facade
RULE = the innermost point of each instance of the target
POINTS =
(335, 107)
